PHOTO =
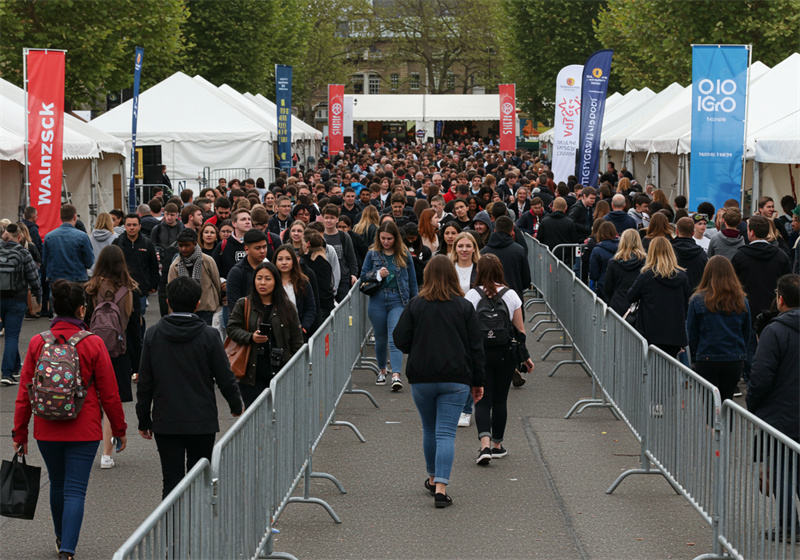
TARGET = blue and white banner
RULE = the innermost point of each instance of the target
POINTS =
(137, 74)
(283, 98)
(594, 88)
(719, 93)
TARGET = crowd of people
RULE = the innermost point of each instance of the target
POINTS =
(437, 231)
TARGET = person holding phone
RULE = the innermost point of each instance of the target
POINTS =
(272, 329)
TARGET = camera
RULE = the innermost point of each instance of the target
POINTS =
(276, 358)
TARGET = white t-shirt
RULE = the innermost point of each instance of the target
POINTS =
(704, 242)
(464, 276)
(289, 289)
(510, 297)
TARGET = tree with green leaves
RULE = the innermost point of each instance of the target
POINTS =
(544, 36)
(100, 37)
(652, 38)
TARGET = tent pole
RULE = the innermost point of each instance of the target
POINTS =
(756, 185)
(93, 195)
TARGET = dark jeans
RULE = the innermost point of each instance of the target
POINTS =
(179, 453)
(12, 313)
(162, 295)
(69, 464)
(491, 412)
(724, 375)
(133, 334)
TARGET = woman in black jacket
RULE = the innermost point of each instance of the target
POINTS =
(623, 270)
(297, 286)
(315, 258)
(662, 290)
(439, 331)
(270, 348)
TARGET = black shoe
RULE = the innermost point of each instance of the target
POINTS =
(9, 380)
(430, 487)
(484, 456)
(443, 500)
(66, 556)
(499, 452)
(58, 545)
(396, 384)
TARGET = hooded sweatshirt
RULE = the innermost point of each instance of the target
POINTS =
(620, 276)
(663, 303)
(100, 238)
(515, 264)
(725, 243)
(621, 220)
(182, 359)
(692, 257)
(758, 266)
(598, 263)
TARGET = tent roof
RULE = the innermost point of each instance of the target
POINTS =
(616, 132)
(81, 141)
(779, 142)
(424, 107)
(298, 124)
(772, 100)
(182, 109)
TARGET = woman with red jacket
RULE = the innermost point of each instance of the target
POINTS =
(69, 446)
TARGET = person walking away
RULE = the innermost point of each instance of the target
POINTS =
(773, 393)
(493, 300)
(182, 359)
(102, 236)
(314, 257)
(662, 291)
(68, 447)
(728, 239)
(559, 229)
(18, 273)
(439, 331)
(758, 266)
(718, 326)
(623, 270)
(691, 256)
(607, 244)
(111, 290)
(515, 264)
(618, 216)
(389, 262)
(193, 263)
(272, 330)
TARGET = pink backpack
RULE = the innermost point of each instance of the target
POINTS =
(107, 324)
(57, 391)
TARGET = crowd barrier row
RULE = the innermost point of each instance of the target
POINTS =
(740, 474)
(226, 508)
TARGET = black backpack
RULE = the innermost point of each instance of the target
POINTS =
(12, 269)
(494, 319)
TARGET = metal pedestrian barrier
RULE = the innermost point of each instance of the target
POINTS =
(227, 508)
(739, 473)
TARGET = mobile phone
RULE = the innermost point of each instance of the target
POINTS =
(116, 442)
(264, 328)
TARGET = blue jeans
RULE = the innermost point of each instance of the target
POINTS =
(468, 405)
(12, 313)
(385, 308)
(69, 464)
(439, 406)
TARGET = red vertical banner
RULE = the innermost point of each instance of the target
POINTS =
(508, 117)
(335, 118)
(45, 87)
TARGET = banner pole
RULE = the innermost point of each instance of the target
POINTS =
(26, 187)
(755, 190)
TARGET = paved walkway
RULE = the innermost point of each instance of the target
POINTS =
(546, 499)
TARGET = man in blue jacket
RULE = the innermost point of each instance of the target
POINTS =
(618, 216)
(67, 252)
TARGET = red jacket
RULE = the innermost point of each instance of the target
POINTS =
(95, 366)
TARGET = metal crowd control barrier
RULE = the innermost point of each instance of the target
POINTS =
(227, 508)
(740, 474)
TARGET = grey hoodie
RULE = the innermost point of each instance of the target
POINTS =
(720, 244)
(99, 239)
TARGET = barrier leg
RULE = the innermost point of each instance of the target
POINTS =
(351, 391)
(268, 551)
(644, 470)
(351, 426)
(307, 499)
(544, 332)
(575, 361)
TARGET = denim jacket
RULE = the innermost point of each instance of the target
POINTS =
(717, 337)
(406, 278)
(67, 254)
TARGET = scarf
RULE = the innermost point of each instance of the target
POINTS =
(195, 260)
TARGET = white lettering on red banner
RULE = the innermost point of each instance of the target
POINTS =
(508, 113)
(335, 118)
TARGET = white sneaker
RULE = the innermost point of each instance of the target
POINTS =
(464, 420)
(106, 462)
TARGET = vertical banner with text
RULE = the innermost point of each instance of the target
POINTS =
(719, 93)
(508, 117)
(45, 103)
(283, 99)
(335, 119)
(594, 88)
(137, 75)
(566, 134)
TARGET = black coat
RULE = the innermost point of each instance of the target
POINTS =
(620, 276)
(182, 358)
(558, 229)
(324, 274)
(140, 256)
(663, 303)
(692, 257)
(515, 264)
(443, 341)
(758, 266)
(773, 393)
(582, 217)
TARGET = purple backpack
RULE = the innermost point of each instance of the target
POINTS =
(57, 391)
(107, 323)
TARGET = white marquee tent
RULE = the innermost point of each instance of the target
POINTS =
(91, 159)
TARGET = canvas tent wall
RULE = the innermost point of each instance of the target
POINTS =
(91, 159)
(195, 128)
(312, 144)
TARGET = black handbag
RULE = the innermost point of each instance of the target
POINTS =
(19, 488)
(370, 285)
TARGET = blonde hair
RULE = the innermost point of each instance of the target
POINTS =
(465, 235)
(630, 245)
(369, 217)
(104, 222)
(661, 258)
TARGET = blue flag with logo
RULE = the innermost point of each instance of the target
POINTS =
(283, 98)
(719, 92)
(596, 71)
(137, 74)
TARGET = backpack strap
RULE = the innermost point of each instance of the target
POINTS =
(73, 341)
(48, 337)
(77, 337)
(121, 293)
(502, 292)
(223, 245)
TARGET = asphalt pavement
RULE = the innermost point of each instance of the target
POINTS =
(545, 500)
